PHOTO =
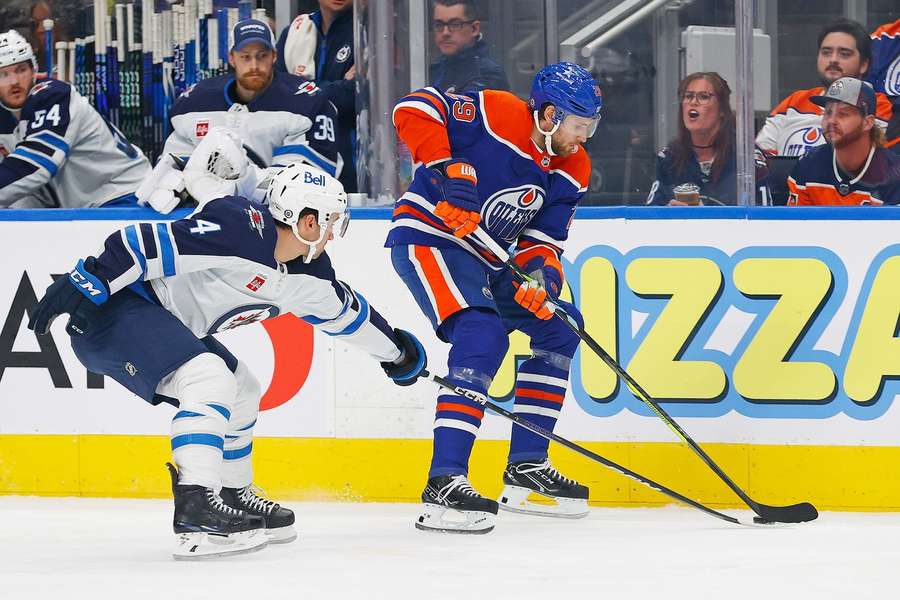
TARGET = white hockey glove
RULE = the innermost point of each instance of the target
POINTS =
(161, 187)
(217, 167)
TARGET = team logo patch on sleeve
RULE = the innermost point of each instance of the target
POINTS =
(343, 54)
(39, 87)
(201, 128)
(256, 283)
(257, 223)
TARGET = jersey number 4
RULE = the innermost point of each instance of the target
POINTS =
(205, 227)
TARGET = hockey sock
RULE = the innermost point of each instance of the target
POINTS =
(206, 391)
(237, 464)
(540, 390)
(479, 344)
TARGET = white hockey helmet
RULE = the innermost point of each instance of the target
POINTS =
(297, 187)
(15, 49)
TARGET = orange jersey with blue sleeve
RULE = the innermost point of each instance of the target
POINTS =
(527, 197)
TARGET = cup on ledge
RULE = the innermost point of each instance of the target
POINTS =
(689, 193)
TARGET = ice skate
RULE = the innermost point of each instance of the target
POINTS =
(279, 520)
(205, 527)
(453, 506)
(568, 498)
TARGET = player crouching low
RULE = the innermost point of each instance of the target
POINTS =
(144, 312)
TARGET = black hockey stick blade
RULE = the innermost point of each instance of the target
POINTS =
(801, 512)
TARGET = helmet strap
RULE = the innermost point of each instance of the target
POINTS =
(308, 258)
(548, 144)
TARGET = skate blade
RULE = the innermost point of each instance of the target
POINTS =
(515, 499)
(448, 520)
(202, 546)
(281, 535)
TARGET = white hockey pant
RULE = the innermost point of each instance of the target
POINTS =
(213, 428)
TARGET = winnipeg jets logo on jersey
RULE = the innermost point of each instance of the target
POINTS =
(257, 223)
(802, 141)
(307, 87)
(343, 54)
(507, 212)
(39, 87)
(244, 315)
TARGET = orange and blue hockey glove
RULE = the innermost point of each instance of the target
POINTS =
(460, 207)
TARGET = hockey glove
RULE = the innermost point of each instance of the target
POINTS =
(408, 368)
(459, 210)
(78, 294)
(532, 296)
(541, 264)
(216, 166)
(161, 188)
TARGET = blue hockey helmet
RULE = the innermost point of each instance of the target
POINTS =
(572, 91)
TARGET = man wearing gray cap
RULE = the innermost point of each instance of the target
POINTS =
(853, 169)
(280, 118)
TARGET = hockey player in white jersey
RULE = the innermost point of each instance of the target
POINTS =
(282, 118)
(144, 311)
(61, 148)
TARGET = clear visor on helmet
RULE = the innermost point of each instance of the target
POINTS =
(579, 126)
(337, 223)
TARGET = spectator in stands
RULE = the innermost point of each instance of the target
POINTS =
(853, 169)
(464, 64)
(793, 127)
(703, 154)
(885, 75)
(319, 47)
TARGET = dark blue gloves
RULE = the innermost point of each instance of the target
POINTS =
(78, 294)
(412, 362)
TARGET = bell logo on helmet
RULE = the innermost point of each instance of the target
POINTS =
(314, 179)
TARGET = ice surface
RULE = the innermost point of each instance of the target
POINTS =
(76, 548)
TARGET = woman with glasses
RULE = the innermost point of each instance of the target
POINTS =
(464, 63)
(699, 167)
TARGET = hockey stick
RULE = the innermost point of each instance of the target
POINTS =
(795, 513)
(48, 46)
(486, 402)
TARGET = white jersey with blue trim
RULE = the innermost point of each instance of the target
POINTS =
(61, 148)
(290, 121)
(216, 270)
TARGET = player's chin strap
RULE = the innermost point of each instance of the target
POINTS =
(310, 254)
(548, 142)
(795, 513)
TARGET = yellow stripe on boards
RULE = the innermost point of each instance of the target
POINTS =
(367, 470)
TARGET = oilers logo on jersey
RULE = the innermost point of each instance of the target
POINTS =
(802, 141)
(507, 212)
(892, 78)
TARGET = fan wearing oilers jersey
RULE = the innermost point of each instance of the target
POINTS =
(281, 118)
(517, 170)
(56, 146)
(144, 310)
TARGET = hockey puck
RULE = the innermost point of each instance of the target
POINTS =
(761, 521)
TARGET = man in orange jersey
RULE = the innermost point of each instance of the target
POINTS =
(854, 168)
(794, 127)
(517, 170)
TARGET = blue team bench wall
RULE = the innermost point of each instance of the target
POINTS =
(759, 213)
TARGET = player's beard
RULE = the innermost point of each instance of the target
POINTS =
(254, 81)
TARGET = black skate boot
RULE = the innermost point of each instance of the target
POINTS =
(206, 527)
(279, 520)
(473, 512)
(523, 478)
